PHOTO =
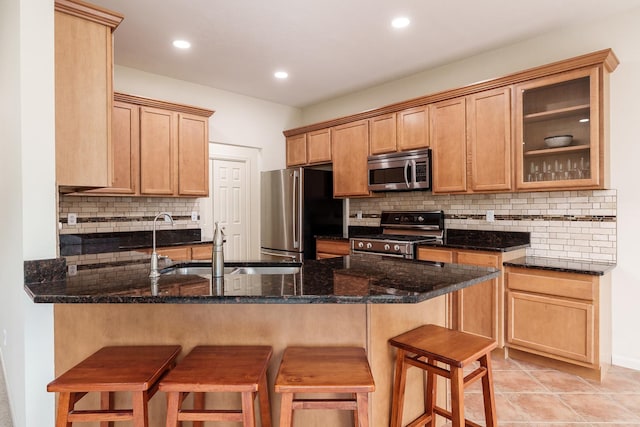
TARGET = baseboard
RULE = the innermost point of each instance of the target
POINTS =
(625, 362)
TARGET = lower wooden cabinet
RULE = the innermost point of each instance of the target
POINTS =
(477, 309)
(331, 248)
(561, 316)
(184, 253)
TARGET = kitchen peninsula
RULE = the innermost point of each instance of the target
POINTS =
(356, 300)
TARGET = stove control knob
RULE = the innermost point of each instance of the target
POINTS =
(396, 248)
(369, 245)
(387, 247)
(421, 219)
(360, 244)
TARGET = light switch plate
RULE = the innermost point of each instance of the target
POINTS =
(72, 219)
(194, 216)
(491, 217)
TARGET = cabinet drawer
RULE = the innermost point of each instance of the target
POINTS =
(551, 326)
(337, 247)
(201, 252)
(176, 254)
(479, 259)
(567, 285)
(436, 255)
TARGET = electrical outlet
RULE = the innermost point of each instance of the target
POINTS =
(491, 216)
(194, 216)
(72, 269)
(72, 219)
(359, 215)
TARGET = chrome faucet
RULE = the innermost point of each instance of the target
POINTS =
(154, 256)
(217, 255)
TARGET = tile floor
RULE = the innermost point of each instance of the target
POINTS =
(531, 395)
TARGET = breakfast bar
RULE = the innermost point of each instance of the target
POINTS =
(359, 300)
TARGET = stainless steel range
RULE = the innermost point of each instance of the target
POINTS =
(401, 233)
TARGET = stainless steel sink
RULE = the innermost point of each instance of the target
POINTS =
(257, 269)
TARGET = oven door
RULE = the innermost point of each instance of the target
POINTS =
(390, 174)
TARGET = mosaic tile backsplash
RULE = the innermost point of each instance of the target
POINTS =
(577, 225)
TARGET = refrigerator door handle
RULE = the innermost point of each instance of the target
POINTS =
(296, 209)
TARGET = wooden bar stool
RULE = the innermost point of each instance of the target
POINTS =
(216, 369)
(425, 347)
(325, 370)
(134, 369)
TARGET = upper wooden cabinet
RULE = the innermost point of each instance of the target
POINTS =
(572, 104)
(383, 138)
(350, 146)
(309, 148)
(471, 143)
(83, 94)
(159, 149)
(413, 128)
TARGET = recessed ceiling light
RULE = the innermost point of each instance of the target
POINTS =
(181, 44)
(281, 74)
(400, 22)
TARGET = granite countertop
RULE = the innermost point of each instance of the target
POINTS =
(352, 279)
(562, 265)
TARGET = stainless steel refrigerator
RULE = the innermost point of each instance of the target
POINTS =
(296, 205)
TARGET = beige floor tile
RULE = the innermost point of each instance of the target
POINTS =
(598, 408)
(500, 364)
(541, 407)
(557, 381)
(629, 401)
(515, 381)
(618, 382)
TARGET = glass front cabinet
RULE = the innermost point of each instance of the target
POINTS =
(559, 131)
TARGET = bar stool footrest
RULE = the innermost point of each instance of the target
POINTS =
(340, 404)
(100, 415)
(210, 415)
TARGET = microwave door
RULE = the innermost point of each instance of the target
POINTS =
(390, 174)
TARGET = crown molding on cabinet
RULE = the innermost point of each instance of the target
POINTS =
(89, 12)
(166, 105)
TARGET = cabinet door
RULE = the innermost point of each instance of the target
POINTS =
(193, 155)
(489, 140)
(83, 96)
(350, 146)
(563, 104)
(201, 252)
(413, 128)
(125, 144)
(296, 150)
(383, 134)
(331, 248)
(157, 151)
(319, 146)
(556, 327)
(449, 142)
(478, 308)
(435, 255)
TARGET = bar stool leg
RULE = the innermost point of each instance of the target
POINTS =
(265, 405)
(174, 400)
(397, 404)
(457, 397)
(286, 410)
(140, 415)
(106, 402)
(198, 404)
(65, 405)
(362, 414)
(430, 394)
(487, 392)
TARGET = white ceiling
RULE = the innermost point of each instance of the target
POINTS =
(328, 47)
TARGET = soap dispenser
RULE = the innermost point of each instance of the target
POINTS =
(217, 256)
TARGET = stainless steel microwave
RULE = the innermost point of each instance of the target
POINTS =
(406, 170)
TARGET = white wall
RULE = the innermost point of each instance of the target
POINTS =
(238, 119)
(621, 33)
(29, 196)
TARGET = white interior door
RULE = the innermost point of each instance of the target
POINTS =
(230, 206)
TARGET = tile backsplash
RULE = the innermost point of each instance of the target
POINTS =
(577, 225)
(109, 214)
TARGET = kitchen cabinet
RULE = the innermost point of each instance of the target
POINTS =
(184, 252)
(309, 148)
(471, 140)
(383, 134)
(478, 309)
(350, 147)
(413, 128)
(83, 94)
(331, 248)
(562, 316)
(570, 103)
(159, 149)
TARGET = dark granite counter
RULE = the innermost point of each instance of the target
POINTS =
(562, 265)
(483, 240)
(353, 279)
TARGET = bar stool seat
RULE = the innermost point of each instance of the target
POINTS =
(214, 369)
(425, 347)
(134, 369)
(325, 370)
